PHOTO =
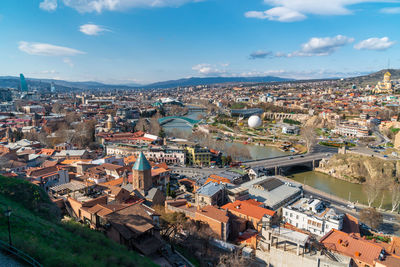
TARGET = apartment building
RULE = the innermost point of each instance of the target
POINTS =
(197, 155)
(311, 215)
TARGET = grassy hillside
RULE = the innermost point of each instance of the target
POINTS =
(375, 77)
(52, 242)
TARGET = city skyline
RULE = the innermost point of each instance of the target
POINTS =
(133, 41)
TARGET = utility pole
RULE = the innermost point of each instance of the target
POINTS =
(7, 213)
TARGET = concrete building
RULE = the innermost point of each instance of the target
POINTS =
(211, 194)
(311, 215)
(273, 192)
(197, 155)
(353, 130)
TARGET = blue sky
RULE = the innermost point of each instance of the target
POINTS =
(142, 41)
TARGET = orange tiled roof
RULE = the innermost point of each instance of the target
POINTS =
(72, 161)
(158, 171)
(352, 246)
(130, 159)
(247, 209)
(214, 213)
(115, 182)
(217, 179)
(47, 151)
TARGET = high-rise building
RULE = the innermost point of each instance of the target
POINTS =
(23, 85)
(52, 88)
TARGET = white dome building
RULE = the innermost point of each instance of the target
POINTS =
(254, 121)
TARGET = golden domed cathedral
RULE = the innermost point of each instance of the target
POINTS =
(385, 86)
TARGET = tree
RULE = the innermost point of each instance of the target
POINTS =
(141, 125)
(395, 189)
(371, 217)
(309, 137)
(374, 186)
(154, 126)
(57, 108)
(233, 260)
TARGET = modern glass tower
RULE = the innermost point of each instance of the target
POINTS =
(23, 85)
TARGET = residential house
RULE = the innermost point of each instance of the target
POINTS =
(217, 219)
(252, 211)
(211, 194)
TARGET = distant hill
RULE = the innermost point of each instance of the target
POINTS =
(373, 78)
(13, 82)
(9, 81)
(193, 81)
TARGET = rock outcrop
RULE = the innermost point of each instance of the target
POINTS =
(358, 169)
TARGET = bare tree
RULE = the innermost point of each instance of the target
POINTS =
(372, 188)
(57, 108)
(309, 137)
(141, 125)
(233, 260)
(371, 217)
(238, 152)
(395, 190)
(154, 126)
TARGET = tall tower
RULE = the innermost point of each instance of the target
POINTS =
(23, 85)
(110, 122)
(36, 119)
(141, 174)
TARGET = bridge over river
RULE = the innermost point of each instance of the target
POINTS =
(275, 165)
(189, 121)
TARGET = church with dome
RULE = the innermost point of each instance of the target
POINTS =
(385, 86)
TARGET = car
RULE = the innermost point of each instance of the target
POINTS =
(291, 158)
(302, 156)
(385, 156)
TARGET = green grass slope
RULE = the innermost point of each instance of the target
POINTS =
(39, 233)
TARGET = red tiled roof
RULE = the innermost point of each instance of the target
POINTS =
(247, 209)
(352, 246)
(214, 213)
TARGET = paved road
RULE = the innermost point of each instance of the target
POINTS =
(288, 160)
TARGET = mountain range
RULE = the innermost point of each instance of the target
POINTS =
(13, 82)
(9, 81)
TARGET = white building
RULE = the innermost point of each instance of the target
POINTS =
(169, 155)
(290, 129)
(311, 215)
(353, 130)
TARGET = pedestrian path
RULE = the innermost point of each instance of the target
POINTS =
(7, 261)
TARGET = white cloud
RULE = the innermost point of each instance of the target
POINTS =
(281, 14)
(92, 29)
(374, 44)
(42, 49)
(48, 5)
(390, 10)
(68, 61)
(260, 54)
(320, 46)
(296, 10)
(209, 69)
(112, 5)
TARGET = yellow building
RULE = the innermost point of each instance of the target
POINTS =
(197, 155)
(385, 86)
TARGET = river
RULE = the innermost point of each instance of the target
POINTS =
(256, 152)
(338, 187)
(317, 180)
